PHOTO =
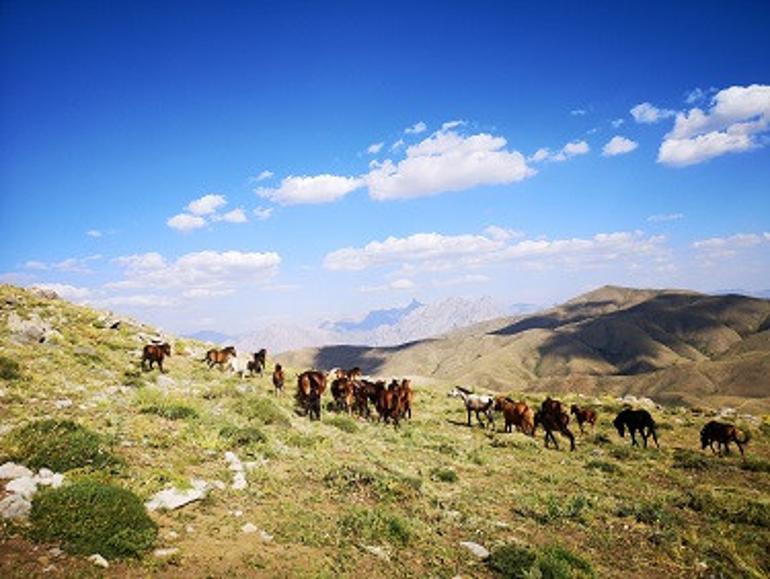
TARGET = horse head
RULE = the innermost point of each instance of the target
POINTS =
(620, 425)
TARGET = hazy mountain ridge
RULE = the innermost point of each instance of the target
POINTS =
(671, 345)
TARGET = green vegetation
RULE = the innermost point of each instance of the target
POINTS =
(171, 411)
(261, 410)
(9, 369)
(374, 525)
(447, 475)
(91, 517)
(344, 423)
(550, 562)
(59, 445)
(242, 436)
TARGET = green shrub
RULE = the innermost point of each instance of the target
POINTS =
(60, 445)
(375, 524)
(89, 517)
(171, 411)
(9, 369)
(603, 466)
(691, 460)
(726, 505)
(262, 410)
(344, 423)
(242, 436)
(446, 475)
(378, 485)
(648, 512)
(756, 465)
(550, 562)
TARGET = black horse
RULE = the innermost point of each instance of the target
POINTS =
(636, 421)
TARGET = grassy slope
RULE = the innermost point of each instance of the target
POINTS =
(324, 493)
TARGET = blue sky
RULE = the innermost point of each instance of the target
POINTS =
(115, 118)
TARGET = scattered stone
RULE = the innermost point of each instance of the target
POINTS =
(166, 552)
(239, 481)
(12, 470)
(265, 537)
(377, 552)
(190, 529)
(26, 486)
(63, 403)
(164, 381)
(174, 498)
(475, 548)
(99, 561)
(55, 552)
(172, 535)
(218, 484)
(45, 293)
(31, 331)
(237, 513)
(15, 507)
(249, 528)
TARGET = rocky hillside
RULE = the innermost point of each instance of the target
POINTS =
(673, 346)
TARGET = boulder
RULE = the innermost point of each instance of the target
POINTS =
(174, 498)
(26, 486)
(476, 549)
(15, 507)
(12, 470)
(99, 561)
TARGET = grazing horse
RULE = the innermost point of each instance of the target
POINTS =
(310, 386)
(366, 392)
(342, 390)
(257, 365)
(723, 434)
(553, 418)
(478, 403)
(516, 414)
(219, 357)
(278, 379)
(407, 396)
(584, 416)
(392, 401)
(153, 353)
(636, 420)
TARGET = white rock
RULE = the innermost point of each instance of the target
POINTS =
(164, 381)
(172, 535)
(13, 470)
(63, 403)
(45, 473)
(249, 528)
(475, 548)
(25, 486)
(174, 498)
(239, 481)
(55, 552)
(99, 561)
(167, 552)
(238, 513)
(378, 552)
(218, 484)
(14, 507)
(57, 480)
(265, 537)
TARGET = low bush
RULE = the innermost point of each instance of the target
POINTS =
(378, 485)
(550, 562)
(603, 465)
(691, 460)
(446, 475)
(242, 436)
(60, 445)
(171, 411)
(9, 369)
(756, 465)
(344, 423)
(261, 410)
(90, 517)
(376, 524)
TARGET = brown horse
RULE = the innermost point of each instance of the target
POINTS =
(257, 365)
(342, 390)
(366, 392)
(584, 416)
(153, 353)
(278, 379)
(723, 434)
(553, 418)
(407, 396)
(219, 357)
(392, 402)
(310, 386)
(516, 414)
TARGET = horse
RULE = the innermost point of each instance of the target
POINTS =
(723, 434)
(153, 353)
(310, 386)
(278, 379)
(516, 414)
(636, 420)
(365, 392)
(478, 403)
(584, 416)
(239, 366)
(407, 396)
(257, 365)
(392, 401)
(553, 418)
(342, 390)
(219, 357)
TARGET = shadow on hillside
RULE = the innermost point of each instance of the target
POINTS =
(370, 360)
(569, 314)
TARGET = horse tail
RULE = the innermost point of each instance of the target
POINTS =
(746, 437)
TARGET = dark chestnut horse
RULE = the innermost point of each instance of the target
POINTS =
(278, 379)
(310, 386)
(516, 414)
(636, 421)
(154, 353)
(584, 416)
(723, 434)
(257, 365)
(553, 418)
(219, 358)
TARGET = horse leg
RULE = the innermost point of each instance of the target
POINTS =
(478, 417)
(740, 447)
(644, 437)
(566, 432)
(160, 365)
(654, 437)
(469, 416)
(633, 437)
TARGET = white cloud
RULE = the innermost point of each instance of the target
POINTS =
(734, 123)
(185, 222)
(416, 129)
(311, 189)
(263, 213)
(67, 292)
(694, 96)
(617, 122)
(501, 233)
(197, 293)
(398, 284)
(375, 148)
(234, 216)
(203, 269)
(36, 265)
(449, 125)
(401, 284)
(467, 279)
(578, 112)
(721, 247)
(662, 217)
(71, 264)
(264, 175)
(646, 113)
(447, 161)
(138, 301)
(207, 204)
(397, 145)
(618, 145)
(571, 149)
(94, 233)
(436, 252)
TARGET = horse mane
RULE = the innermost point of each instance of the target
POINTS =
(463, 390)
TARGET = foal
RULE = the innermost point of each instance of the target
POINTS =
(478, 403)
(584, 416)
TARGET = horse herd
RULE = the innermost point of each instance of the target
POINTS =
(354, 393)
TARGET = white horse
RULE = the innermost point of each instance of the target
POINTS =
(478, 403)
(239, 366)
